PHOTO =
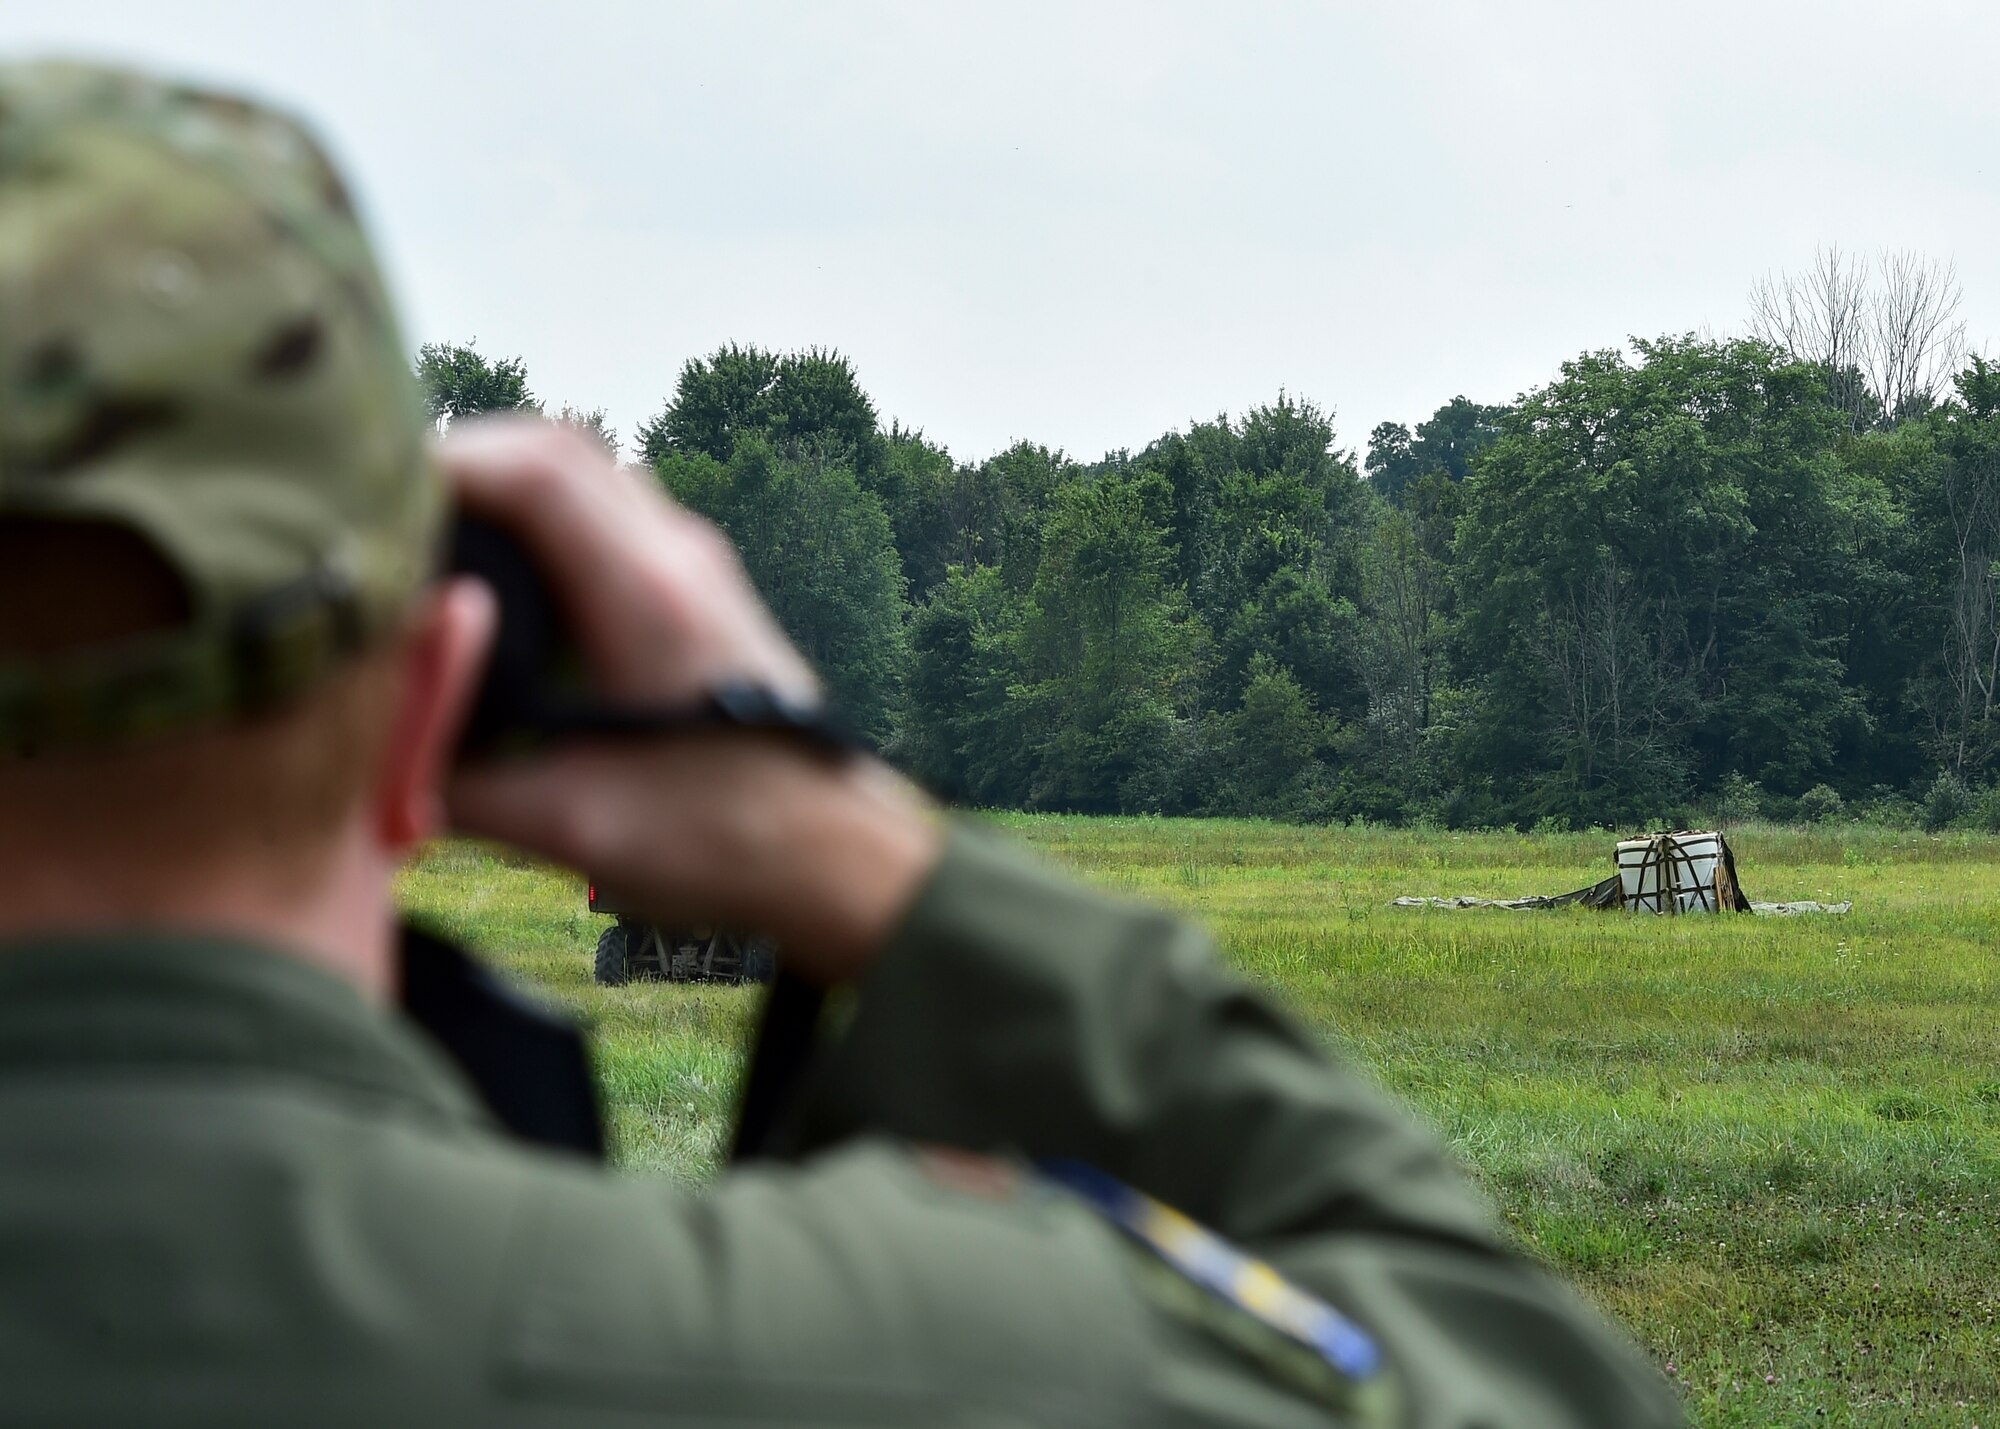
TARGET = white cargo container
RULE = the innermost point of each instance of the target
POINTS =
(1688, 871)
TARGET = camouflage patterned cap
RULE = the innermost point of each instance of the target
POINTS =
(196, 347)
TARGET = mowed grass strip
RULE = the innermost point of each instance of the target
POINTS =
(1770, 1146)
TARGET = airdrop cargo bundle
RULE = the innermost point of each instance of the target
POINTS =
(1670, 873)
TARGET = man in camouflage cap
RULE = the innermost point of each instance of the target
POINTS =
(1055, 1166)
(197, 348)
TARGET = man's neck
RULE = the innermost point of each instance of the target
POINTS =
(340, 919)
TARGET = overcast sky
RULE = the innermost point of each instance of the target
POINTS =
(1087, 223)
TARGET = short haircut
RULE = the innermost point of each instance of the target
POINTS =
(269, 790)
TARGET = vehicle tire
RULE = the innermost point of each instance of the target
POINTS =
(612, 968)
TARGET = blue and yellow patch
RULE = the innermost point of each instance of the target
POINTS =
(1241, 1281)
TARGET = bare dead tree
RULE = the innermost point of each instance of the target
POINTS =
(1916, 337)
(1888, 337)
(1820, 316)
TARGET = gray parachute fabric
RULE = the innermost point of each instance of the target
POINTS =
(1670, 873)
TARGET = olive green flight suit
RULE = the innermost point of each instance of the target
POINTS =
(231, 1193)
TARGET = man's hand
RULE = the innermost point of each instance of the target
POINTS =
(750, 831)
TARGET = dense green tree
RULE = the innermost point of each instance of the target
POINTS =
(1271, 745)
(1951, 490)
(819, 548)
(808, 405)
(1978, 387)
(1896, 584)
(1277, 568)
(460, 381)
(948, 514)
(921, 490)
(1023, 481)
(592, 424)
(1673, 574)
(1395, 633)
(818, 409)
(1447, 444)
(961, 735)
(1194, 464)
(1105, 649)
(1392, 463)
(1651, 561)
(1263, 515)
(717, 400)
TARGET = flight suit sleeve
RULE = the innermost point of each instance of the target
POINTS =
(1018, 1014)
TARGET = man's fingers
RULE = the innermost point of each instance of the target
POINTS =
(561, 498)
(608, 545)
(534, 804)
(597, 810)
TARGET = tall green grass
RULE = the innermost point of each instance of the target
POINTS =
(1771, 1147)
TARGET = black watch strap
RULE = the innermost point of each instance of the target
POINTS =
(750, 708)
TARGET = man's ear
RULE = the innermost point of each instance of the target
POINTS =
(444, 655)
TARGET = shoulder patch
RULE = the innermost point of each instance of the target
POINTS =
(969, 1173)
(1237, 1280)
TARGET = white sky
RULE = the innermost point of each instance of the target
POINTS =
(1087, 223)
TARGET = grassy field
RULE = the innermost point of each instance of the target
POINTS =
(1770, 1146)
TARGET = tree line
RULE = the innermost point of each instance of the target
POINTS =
(1691, 577)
